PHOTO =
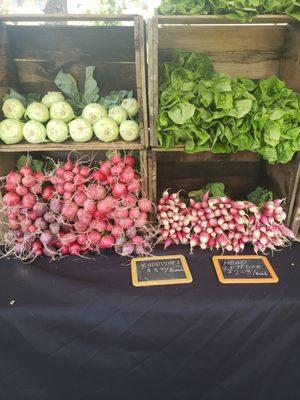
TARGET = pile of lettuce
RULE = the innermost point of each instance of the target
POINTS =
(242, 10)
(209, 111)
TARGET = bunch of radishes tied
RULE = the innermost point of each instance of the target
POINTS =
(221, 223)
(74, 209)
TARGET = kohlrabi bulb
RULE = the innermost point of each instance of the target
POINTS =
(118, 114)
(34, 132)
(129, 131)
(131, 106)
(11, 131)
(93, 112)
(62, 110)
(106, 129)
(51, 98)
(13, 108)
(57, 130)
(37, 111)
(80, 130)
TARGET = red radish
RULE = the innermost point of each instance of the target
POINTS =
(68, 196)
(94, 237)
(86, 217)
(14, 178)
(99, 226)
(74, 249)
(46, 237)
(121, 213)
(116, 170)
(145, 205)
(89, 206)
(79, 198)
(129, 160)
(36, 189)
(48, 192)
(107, 241)
(99, 176)
(11, 199)
(82, 239)
(116, 159)
(127, 249)
(138, 240)
(69, 187)
(134, 186)
(21, 190)
(69, 210)
(96, 192)
(119, 190)
(80, 226)
(26, 170)
(127, 175)
(106, 205)
(126, 223)
(117, 231)
(68, 166)
(85, 171)
(29, 200)
(105, 167)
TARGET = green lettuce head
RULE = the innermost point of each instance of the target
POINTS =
(34, 132)
(13, 108)
(11, 131)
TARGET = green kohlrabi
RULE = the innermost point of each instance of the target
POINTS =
(118, 114)
(93, 112)
(62, 110)
(57, 131)
(51, 98)
(106, 130)
(13, 108)
(11, 131)
(129, 131)
(131, 106)
(34, 132)
(37, 111)
(80, 130)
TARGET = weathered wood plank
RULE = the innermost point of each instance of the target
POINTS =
(70, 146)
(72, 43)
(290, 63)
(66, 17)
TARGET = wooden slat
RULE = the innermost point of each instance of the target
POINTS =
(212, 39)
(152, 168)
(290, 63)
(215, 19)
(66, 17)
(63, 44)
(38, 76)
(153, 77)
(70, 146)
(144, 172)
(243, 156)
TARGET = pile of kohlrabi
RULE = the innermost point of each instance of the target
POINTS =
(58, 116)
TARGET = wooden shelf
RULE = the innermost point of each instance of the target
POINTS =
(93, 145)
(219, 19)
(67, 17)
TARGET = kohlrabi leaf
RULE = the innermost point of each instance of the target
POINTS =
(91, 89)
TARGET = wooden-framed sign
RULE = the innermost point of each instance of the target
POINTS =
(162, 270)
(244, 269)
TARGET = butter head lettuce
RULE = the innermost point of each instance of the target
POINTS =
(209, 111)
(242, 10)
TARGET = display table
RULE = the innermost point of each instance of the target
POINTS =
(78, 329)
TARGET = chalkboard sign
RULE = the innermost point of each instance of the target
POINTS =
(164, 270)
(244, 269)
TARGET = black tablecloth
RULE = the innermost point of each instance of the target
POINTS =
(78, 329)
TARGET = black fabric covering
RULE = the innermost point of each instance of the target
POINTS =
(79, 330)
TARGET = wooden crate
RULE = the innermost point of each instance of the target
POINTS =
(268, 46)
(33, 48)
(295, 220)
(241, 173)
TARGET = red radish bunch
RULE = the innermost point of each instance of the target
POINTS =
(221, 223)
(77, 209)
(175, 220)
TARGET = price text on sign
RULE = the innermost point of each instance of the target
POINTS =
(164, 270)
(244, 269)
